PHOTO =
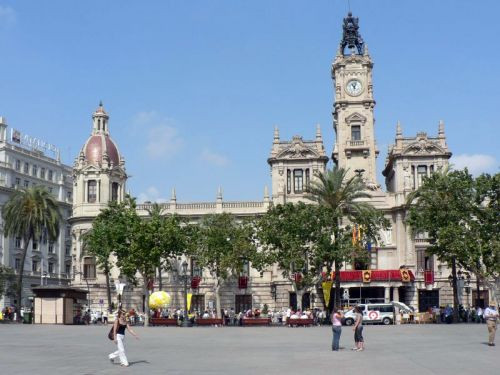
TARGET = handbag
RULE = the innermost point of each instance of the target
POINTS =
(110, 334)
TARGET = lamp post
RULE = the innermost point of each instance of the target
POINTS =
(184, 277)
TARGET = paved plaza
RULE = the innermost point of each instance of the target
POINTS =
(409, 349)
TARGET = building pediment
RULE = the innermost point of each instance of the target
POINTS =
(297, 149)
(421, 147)
(356, 117)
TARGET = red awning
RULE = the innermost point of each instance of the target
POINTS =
(376, 275)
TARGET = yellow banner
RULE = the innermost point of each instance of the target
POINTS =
(190, 295)
(327, 287)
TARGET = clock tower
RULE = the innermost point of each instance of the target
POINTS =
(355, 148)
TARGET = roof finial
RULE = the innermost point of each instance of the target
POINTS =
(100, 103)
(399, 131)
(219, 193)
(173, 197)
(441, 128)
(276, 134)
(319, 138)
(266, 193)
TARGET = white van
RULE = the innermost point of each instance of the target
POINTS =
(376, 313)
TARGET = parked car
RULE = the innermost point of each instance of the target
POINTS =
(376, 313)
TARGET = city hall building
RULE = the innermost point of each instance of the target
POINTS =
(400, 267)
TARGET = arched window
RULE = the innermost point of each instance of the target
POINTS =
(114, 191)
(288, 181)
(92, 191)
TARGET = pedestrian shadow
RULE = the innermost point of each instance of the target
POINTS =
(137, 362)
(485, 343)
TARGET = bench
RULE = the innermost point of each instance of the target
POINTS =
(256, 321)
(163, 322)
(299, 322)
(209, 321)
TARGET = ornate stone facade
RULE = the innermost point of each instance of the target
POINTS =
(293, 164)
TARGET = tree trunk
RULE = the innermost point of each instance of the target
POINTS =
(455, 291)
(478, 290)
(336, 299)
(108, 289)
(19, 286)
(146, 301)
(217, 299)
(160, 280)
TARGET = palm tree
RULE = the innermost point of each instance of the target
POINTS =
(341, 195)
(27, 214)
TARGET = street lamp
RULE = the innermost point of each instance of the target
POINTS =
(184, 277)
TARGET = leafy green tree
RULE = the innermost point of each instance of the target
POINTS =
(147, 244)
(168, 236)
(223, 246)
(286, 234)
(346, 201)
(108, 232)
(28, 214)
(460, 215)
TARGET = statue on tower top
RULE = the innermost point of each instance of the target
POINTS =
(351, 37)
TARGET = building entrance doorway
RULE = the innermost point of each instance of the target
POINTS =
(306, 301)
(427, 299)
(243, 303)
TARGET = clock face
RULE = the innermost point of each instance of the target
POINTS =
(354, 87)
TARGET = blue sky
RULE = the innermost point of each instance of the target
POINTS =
(194, 88)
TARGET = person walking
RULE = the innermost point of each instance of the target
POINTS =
(119, 327)
(358, 331)
(336, 328)
(491, 317)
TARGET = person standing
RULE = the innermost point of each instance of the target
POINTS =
(491, 317)
(480, 313)
(336, 328)
(119, 327)
(358, 330)
(105, 317)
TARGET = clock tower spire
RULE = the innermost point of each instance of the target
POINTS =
(353, 121)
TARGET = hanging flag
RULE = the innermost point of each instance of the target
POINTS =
(354, 235)
(190, 296)
(327, 287)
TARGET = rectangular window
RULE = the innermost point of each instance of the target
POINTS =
(288, 181)
(355, 133)
(18, 181)
(69, 195)
(42, 173)
(34, 170)
(298, 182)
(307, 179)
(17, 264)
(18, 165)
(89, 268)
(26, 184)
(243, 303)
(92, 191)
(67, 269)
(51, 267)
(51, 174)
(26, 168)
(51, 248)
(114, 191)
(246, 268)
(195, 269)
(68, 250)
(34, 266)
(198, 303)
(421, 173)
(18, 242)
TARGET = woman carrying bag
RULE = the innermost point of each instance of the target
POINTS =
(117, 334)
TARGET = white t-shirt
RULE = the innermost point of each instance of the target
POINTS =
(490, 314)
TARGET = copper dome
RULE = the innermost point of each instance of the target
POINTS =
(96, 146)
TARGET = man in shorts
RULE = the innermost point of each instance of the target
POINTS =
(358, 330)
